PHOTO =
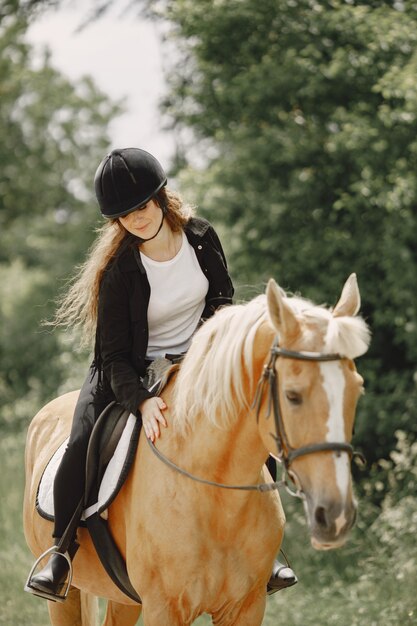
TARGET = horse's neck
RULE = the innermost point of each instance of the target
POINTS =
(233, 456)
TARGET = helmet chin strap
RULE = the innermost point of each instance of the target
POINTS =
(141, 240)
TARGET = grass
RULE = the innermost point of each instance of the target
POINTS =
(17, 607)
(370, 582)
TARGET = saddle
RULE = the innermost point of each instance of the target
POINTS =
(111, 451)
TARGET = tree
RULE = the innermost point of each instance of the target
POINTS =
(306, 114)
(53, 135)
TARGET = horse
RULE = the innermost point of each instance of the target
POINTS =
(274, 376)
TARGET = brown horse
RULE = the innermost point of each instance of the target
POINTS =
(193, 548)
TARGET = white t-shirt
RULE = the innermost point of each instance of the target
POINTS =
(178, 293)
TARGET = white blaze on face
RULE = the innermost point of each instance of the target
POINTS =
(334, 387)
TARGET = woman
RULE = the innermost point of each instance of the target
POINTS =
(153, 276)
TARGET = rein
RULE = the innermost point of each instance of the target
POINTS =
(286, 453)
(262, 487)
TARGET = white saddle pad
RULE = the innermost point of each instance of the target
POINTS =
(109, 484)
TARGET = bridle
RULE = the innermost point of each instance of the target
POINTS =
(286, 453)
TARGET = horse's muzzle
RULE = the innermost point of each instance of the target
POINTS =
(330, 523)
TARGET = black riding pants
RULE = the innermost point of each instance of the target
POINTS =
(70, 478)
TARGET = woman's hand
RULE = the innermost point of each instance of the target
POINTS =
(151, 410)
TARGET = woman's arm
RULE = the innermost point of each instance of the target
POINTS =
(115, 342)
(221, 288)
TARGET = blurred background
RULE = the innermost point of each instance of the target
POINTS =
(292, 125)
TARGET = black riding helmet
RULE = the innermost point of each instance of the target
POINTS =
(126, 180)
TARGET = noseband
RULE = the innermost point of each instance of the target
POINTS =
(286, 453)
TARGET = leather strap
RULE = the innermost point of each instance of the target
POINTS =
(261, 487)
(110, 556)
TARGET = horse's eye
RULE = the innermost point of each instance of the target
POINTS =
(294, 397)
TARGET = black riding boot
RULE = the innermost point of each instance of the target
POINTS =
(282, 576)
(52, 577)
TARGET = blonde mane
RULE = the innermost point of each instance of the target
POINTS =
(210, 381)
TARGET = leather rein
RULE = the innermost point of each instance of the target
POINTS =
(286, 453)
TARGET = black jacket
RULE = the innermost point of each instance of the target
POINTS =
(122, 323)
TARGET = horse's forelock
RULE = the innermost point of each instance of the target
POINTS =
(349, 336)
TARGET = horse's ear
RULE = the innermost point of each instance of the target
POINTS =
(280, 314)
(350, 300)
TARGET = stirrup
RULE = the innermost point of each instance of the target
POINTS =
(59, 597)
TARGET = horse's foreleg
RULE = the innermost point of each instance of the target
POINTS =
(121, 614)
(89, 608)
(79, 609)
(249, 613)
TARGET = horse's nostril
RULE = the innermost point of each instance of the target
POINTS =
(320, 516)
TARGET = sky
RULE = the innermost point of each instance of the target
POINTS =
(124, 56)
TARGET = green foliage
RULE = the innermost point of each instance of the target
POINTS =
(391, 480)
(306, 114)
(53, 135)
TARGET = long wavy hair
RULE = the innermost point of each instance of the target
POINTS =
(77, 306)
